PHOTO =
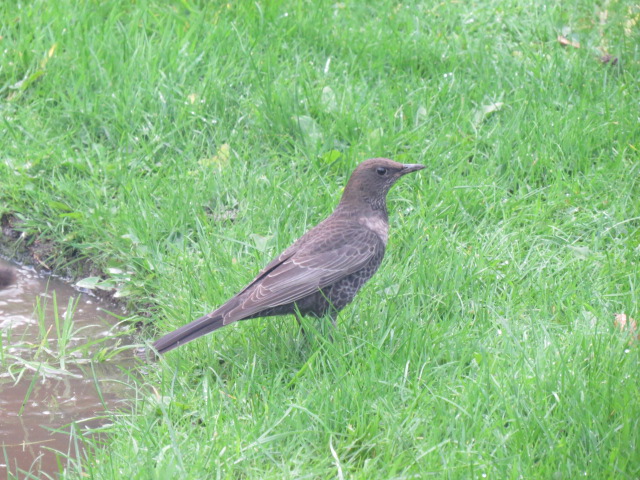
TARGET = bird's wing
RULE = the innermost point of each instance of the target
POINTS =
(304, 272)
(289, 252)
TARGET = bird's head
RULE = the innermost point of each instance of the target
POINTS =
(371, 180)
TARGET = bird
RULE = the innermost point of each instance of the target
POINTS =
(321, 272)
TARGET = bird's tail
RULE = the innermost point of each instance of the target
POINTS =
(191, 331)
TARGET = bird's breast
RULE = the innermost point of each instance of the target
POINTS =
(376, 224)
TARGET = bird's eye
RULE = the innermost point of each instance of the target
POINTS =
(381, 171)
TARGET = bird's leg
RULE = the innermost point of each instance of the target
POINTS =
(300, 323)
(333, 315)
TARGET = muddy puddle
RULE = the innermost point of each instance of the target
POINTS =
(61, 366)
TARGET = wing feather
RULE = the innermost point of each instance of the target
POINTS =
(304, 272)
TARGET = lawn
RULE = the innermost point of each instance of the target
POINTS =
(176, 147)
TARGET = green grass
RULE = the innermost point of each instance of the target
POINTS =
(181, 145)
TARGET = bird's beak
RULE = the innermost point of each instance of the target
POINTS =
(410, 167)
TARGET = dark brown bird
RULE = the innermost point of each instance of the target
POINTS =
(324, 269)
